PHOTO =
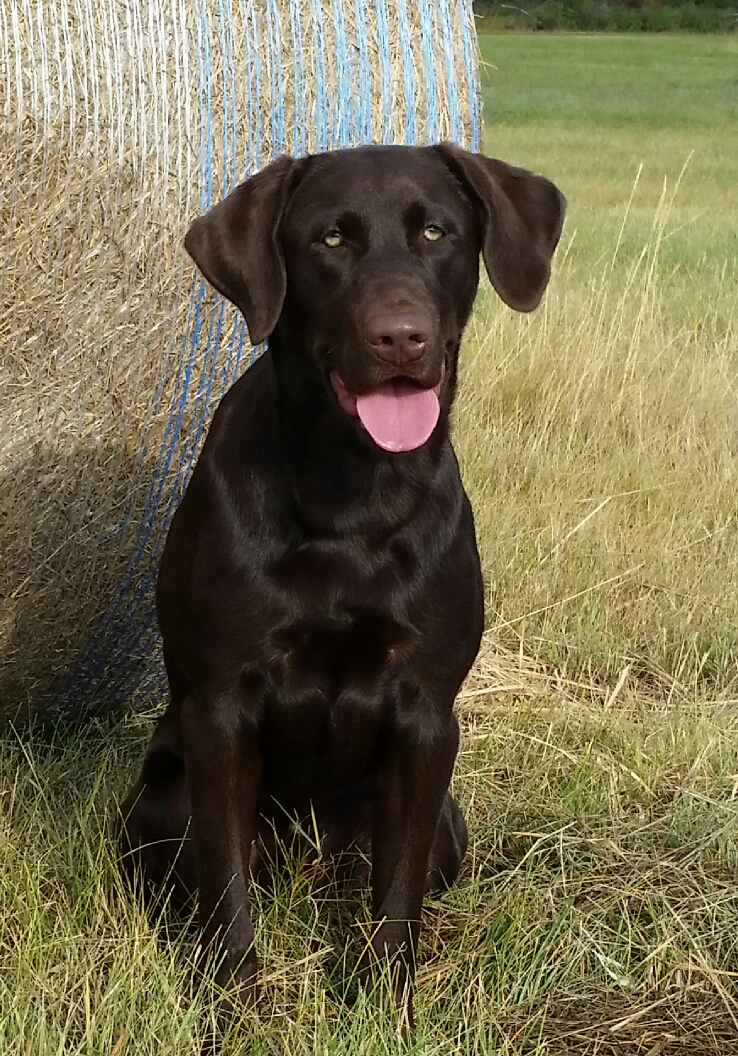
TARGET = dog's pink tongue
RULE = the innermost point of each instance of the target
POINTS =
(398, 415)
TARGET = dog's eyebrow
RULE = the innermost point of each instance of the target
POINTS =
(428, 210)
(348, 221)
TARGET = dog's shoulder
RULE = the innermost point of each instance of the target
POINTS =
(241, 454)
(248, 406)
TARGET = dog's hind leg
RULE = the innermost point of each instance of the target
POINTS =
(155, 843)
(449, 848)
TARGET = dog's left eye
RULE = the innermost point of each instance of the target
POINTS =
(433, 233)
(333, 239)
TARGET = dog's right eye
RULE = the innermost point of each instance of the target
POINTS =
(333, 239)
(433, 233)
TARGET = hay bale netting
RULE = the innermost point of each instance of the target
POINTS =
(121, 121)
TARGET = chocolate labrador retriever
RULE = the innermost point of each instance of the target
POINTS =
(320, 596)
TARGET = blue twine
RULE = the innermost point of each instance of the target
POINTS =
(466, 18)
(298, 73)
(277, 78)
(452, 88)
(431, 100)
(342, 125)
(230, 160)
(322, 119)
(257, 80)
(253, 113)
(363, 112)
(385, 72)
(408, 74)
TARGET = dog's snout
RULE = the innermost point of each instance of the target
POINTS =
(399, 337)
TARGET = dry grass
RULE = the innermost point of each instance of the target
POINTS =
(600, 445)
(595, 912)
(600, 434)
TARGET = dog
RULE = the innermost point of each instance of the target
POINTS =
(320, 596)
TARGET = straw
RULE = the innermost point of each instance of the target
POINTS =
(121, 121)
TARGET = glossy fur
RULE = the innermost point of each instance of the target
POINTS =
(320, 600)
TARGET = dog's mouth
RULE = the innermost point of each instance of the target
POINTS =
(398, 414)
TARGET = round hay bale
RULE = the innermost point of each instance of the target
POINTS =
(123, 120)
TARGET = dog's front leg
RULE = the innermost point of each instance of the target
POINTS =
(412, 786)
(223, 771)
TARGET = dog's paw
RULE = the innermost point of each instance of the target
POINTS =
(389, 959)
(237, 977)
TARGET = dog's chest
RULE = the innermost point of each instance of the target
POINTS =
(331, 685)
(342, 616)
(330, 653)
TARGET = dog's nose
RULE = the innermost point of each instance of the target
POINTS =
(399, 337)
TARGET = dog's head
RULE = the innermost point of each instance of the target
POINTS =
(368, 260)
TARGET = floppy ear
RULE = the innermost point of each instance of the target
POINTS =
(521, 219)
(237, 246)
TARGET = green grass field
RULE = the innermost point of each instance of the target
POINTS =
(622, 390)
(597, 912)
